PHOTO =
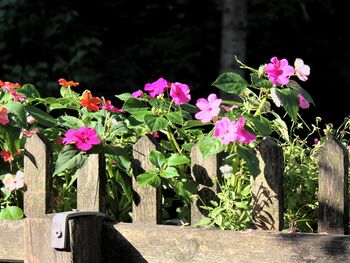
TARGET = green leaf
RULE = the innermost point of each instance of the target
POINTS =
(290, 102)
(41, 116)
(249, 156)
(157, 158)
(206, 221)
(70, 122)
(210, 145)
(69, 158)
(156, 123)
(295, 85)
(11, 213)
(29, 91)
(123, 96)
(281, 127)
(149, 178)
(133, 105)
(231, 83)
(177, 159)
(17, 113)
(175, 117)
(5, 192)
(262, 125)
(169, 172)
(186, 190)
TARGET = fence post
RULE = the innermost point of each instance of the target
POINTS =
(333, 188)
(37, 175)
(203, 171)
(267, 188)
(147, 199)
(91, 184)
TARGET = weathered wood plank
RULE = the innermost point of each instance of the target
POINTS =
(161, 243)
(267, 187)
(333, 188)
(11, 240)
(91, 184)
(203, 170)
(85, 240)
(147, 199)
(37, 175)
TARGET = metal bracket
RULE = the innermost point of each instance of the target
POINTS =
(59, 226)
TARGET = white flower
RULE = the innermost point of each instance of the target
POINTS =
(226, 170)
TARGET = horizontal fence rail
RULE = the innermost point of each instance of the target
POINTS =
(92, 240)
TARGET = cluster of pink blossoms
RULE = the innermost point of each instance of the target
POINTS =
(225, 129)
(180, 93)
(279, 72)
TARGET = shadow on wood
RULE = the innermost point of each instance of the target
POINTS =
(116, 248)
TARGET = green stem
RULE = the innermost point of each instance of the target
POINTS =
(172, 139)
(260, 106)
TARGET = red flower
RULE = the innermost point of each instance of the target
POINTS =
(91, 103)
(65, 83)
(7, 156)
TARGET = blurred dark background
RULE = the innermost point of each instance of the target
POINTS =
(117, 46)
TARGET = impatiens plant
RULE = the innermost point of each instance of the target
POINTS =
(78, 124)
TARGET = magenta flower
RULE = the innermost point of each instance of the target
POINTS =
(137, 94)
(231, 131)
(83, 138)
(302, 71)
(209, 108)
(303, 103)
(156, 87)
(180, 93)
(278, 71)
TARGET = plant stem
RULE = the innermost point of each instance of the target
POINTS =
(260, 106)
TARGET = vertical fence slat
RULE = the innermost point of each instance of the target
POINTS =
(203, 171)
(147, 199)
(91, 184)
(333, 188)
(267, 188)
(37, 175)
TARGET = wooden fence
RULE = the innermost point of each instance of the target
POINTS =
(92, 239)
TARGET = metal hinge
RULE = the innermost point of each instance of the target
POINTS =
(59, 226)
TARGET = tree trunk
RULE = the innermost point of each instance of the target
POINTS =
(233, 35)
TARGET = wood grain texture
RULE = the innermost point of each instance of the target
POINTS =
(171, 244)
(267, 188)
(11, 240)
(203, 170)
(37, 175)
(147, 199)
(333, 188)
(84, 245)
(91, 184)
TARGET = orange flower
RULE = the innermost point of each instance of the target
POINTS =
(4, 119)
(91, 103)
(66, 83)
(9, 84)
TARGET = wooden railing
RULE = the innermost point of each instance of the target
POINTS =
(93, 240)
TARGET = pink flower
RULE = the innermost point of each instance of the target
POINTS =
(27, 134)
(180, 93)
(278, 71)
(348, 147)
(156, 87)
(229, 109)
(84, 138)
(209, 108)
(231, 131)
(4, 119)
(303, 103)
(31, 119)
(302, 71)
(107, 105)
(316, 141)
(137, 94)
(13, 182)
